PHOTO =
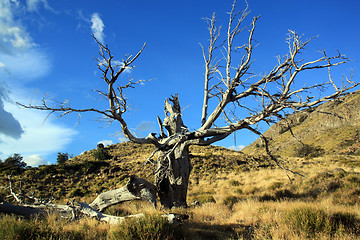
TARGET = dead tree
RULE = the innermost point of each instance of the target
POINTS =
(32, 207)
(229, 87)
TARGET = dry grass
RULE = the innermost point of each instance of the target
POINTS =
(240, 196)
(270, 220)
(258, 202)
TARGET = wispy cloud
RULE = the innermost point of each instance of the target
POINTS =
(97, 27)
(33, 5)
(25, 66)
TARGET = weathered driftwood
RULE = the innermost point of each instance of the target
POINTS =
(135, 188)
(81, 208)
(90, 212)
(72, 212)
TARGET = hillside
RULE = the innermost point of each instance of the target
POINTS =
(86, 176)
(332, 128)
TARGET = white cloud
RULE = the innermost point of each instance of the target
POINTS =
(18, 38)
(35, 160)
(97, 27)
(19, 56)
(39, 137)
(33, 5)
(13, 36)
(236, 148)
(25, 65)
(22, 61)
(106, 142)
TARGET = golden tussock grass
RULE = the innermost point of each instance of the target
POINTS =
(238, 199)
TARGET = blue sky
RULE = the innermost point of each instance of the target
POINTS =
(46, 48)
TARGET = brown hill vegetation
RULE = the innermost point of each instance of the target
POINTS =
(331, 128)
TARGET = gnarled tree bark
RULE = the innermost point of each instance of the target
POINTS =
(173, 165)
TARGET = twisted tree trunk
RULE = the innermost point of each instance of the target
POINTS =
(173, 164)
(172, 176)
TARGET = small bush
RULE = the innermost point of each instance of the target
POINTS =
(307, 220)
(308, 151)
(15, 160)
(147, 227)
(101, 154)
(62, 157)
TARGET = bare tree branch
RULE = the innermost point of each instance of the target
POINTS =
(210, 67)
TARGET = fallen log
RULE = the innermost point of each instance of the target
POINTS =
(135, 189)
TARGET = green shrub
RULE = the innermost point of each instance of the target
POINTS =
(101, 154)
(308, 151)
(145, 228)
(15, 160)
(63, 157)
(308, 220)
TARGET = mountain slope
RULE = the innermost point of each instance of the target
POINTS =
(86, 176)
(332, 128)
